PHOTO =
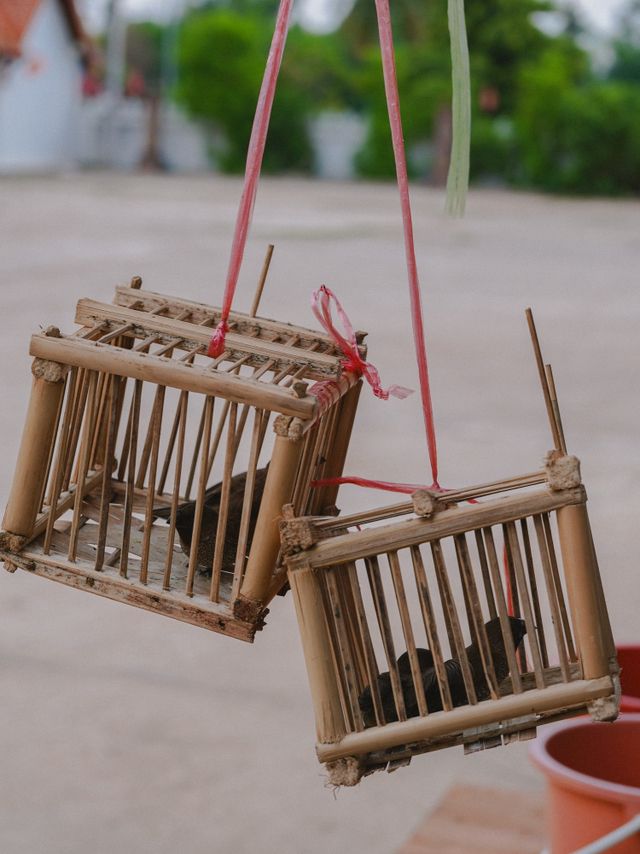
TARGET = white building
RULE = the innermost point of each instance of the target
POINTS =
(41, 47)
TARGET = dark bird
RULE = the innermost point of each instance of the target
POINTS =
(453, 671)
(206, 544)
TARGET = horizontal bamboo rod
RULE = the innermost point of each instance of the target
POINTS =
(454, 497)
(318, 363)
(466, 717)
(126, 363)
(411, 532)
(201, 311)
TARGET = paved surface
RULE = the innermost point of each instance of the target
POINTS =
(121, 731)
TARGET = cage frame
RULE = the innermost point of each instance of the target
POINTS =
(110, 350)
(315, 548)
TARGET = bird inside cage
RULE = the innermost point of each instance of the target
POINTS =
(185, 516)
(454, 675)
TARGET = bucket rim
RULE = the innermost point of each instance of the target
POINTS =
(568, 778)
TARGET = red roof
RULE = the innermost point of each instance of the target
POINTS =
(16, 15)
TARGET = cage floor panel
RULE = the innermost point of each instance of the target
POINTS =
(108, 581)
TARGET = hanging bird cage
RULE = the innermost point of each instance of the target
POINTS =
(129, 419)
(467, 617)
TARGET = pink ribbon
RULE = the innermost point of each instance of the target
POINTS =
(321, 300)
(252, 171)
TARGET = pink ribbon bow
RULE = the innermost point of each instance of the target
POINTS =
(321, 307)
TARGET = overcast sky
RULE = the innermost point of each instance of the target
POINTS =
(600, 13)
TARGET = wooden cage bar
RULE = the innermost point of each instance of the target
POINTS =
(413, 670)
(142, 475)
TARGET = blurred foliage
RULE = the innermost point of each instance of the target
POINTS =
(542, 116)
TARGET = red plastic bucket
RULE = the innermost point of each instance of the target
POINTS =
(593, 780)
(629, 661)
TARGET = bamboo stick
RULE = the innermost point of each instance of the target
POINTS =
(31, 465)
(431, 626)
(83, 466)
(543, 379)
(344, 650)
(202, 483)
(196, 451)
(384, 625)
(131, 473)
(486, 578)
(577, 557)
(247, 503)
(266, 538)
(74, 432)
(371, 667)
(62, 438)
(115, 401)
(533, 587)
(556, 618)
(261, 281)
(555, 406)
(466, 717)
(316, 644)
(507, 637)
(407, 631)
(566, 626)
(538, 668)
(175, 500)
(151, 488)
(479, 632)
(454, 631)
(223, 510)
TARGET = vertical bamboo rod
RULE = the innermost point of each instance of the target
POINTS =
(175, 498)
(577, 557)
(344, 650)
(115, 405)
(316, 644)
(58, 472)
(479, 631)
(556, 618)
(131, 474)
(223, 509)
(431, 626)
(83, 466)
(555, 406)
(247, 505)
(262, 280)
(265, 545)
(486, 578)
(604, 614)
(533, 587)
(156, 420)
(458, 649)
(31, 466)
(338, 667)
(516, 557)
(566, 625)
(371, 667)
(200, 499)
(503, 611)
(382, 615)
(407, 631)
(76, 424)
(345, 587)
(196, 451)
(543, 379)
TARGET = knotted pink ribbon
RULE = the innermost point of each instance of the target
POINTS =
(321, 300)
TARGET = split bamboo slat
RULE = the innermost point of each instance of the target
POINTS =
(147, 472)
(417, 646)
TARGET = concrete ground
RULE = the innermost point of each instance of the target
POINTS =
(121, 731)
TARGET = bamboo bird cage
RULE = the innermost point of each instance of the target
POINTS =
(128, 414)
(430, 574)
